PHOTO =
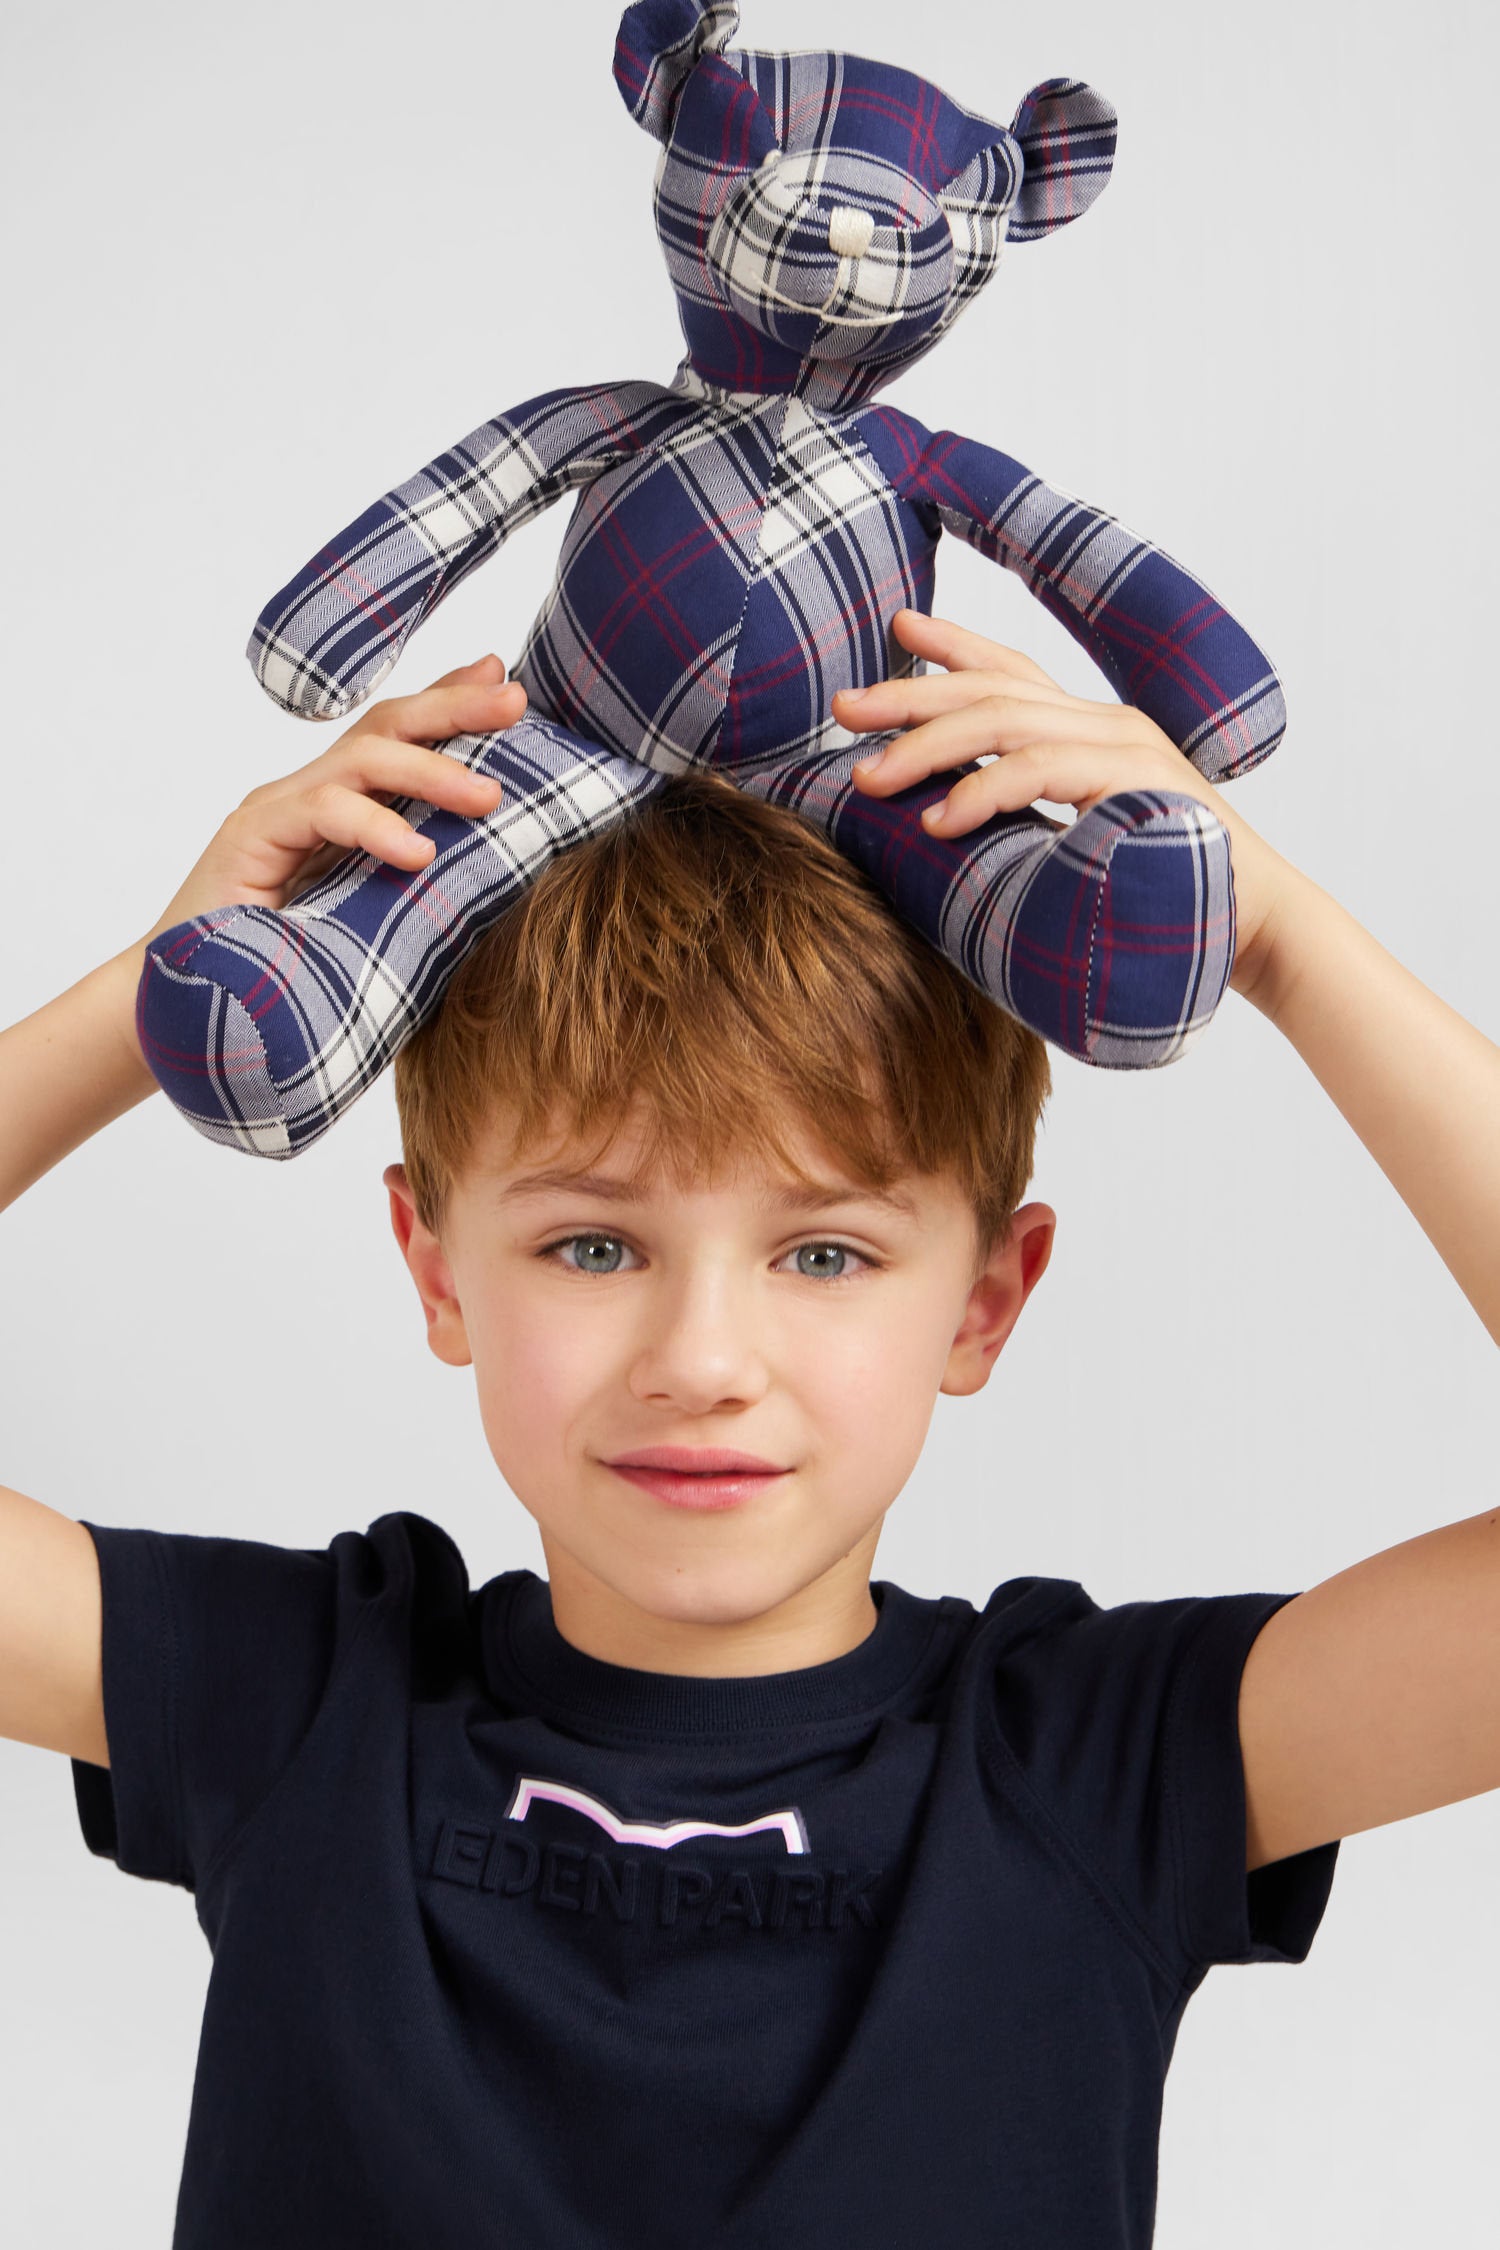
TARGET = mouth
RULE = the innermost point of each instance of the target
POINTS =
(703, 1478)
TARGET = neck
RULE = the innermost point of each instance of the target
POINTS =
(812, 1625)
(739, 363)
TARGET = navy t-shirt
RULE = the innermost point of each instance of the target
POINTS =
(512, 1945)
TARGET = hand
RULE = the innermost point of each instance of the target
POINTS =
(287, 834)
(1051, 745)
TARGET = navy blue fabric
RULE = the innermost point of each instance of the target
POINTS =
(512, 1945)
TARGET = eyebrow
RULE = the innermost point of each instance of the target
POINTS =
(819, 1195)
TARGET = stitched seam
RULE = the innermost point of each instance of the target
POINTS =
(1049, 1831)
(172, 1701)
(752, 575)
(553, 485)
(542, 1705)
(1188, 1672)
(1136, 823)
(228, 1845)
(1178, 1854)
(171, 969)
(1054, 1837)
(178, 968)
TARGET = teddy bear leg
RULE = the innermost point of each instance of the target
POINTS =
(263, 1026)
(1113, 936)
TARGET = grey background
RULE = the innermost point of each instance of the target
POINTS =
(259, 264)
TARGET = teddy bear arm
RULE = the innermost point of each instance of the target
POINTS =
(1156, 633)
(334, 631)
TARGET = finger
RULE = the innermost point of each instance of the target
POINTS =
(311, 872)
(940, 641)
(332, 814)
(302, 822)
(1038, 770)
(999, 724)
(487, 670)
(377, 764)
(1066, 773)
(451, 706)
(890, 704)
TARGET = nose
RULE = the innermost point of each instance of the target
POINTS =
(850, 232)
(699, 1348)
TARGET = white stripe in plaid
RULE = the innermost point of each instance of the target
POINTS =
(1155, 631)
(740, 547)
(636, 646)
(772, 252)
(264, 1027)
(838, 557)
(335, 630)
(1067, 135)
(658, 43)
(1118, 930)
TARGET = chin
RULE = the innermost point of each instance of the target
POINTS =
(714, 1590)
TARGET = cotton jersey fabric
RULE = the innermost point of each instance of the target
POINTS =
(515, 1946)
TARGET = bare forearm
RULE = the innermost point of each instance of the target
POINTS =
(1418, 1083)
(68, 1070)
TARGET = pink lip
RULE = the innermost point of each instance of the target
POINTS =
(697, 1477)
(695, 1460)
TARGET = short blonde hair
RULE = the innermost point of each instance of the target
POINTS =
(717, 961)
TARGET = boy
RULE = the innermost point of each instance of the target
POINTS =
(707, 1891)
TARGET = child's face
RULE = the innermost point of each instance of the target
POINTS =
(605, 1317)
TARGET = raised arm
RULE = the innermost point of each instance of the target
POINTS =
(1375, 1695)
(334, 631)
(73, 1066)
(1159, 637)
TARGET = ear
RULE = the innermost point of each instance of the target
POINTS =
(1008, 1276)
(1067, 137)
(659, 41)
(429, 1269)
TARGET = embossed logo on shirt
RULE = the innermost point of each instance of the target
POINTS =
(659, 1834)
(777, 1892)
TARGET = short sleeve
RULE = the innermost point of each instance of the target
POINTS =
(216, 1655)
(1122, 1725)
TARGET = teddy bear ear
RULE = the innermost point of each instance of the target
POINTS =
(659, 42)
(1066, 133)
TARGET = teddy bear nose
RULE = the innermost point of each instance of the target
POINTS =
(850, 232)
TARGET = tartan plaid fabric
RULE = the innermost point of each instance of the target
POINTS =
(1113, 937)
(741, 542)
(263, 1027)
(769, 158)
(1157, 635)
(331, 635)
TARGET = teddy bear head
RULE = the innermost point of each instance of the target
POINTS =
(825, 217)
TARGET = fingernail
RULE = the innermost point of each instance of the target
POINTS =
(868, 765)
(934, 816)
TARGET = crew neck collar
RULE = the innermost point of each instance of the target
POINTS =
(552, 1672)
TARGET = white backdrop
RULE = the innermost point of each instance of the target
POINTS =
(259, 264)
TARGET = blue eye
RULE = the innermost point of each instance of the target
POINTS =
(604, 1253)
(825, 1251)
(587, 1245)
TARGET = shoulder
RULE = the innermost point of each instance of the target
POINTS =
(898, 441)
(1058, 1664)
(402, 1571)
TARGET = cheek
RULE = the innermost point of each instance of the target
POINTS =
(533, 1371)
(873, 1384)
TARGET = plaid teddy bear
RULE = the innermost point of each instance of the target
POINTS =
(742, 540)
